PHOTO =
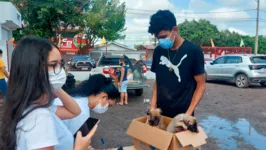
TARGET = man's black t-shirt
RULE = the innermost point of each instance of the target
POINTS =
(175, 88)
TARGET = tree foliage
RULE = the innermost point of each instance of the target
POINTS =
(200, 32)
(105, 18)
(44, 18)
(47, 18)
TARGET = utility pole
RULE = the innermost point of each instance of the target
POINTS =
(257, 27)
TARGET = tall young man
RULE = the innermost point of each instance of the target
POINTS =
(3, 75)
(122, 83)
(179, 68)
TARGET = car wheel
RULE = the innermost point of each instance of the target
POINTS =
(138, 92)
(241, 81)
(263, 84)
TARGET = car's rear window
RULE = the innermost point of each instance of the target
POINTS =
(258, 59)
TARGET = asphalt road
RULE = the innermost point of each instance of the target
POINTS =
(233, 118)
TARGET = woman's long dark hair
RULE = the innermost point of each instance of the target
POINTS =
(95, 85)
(28, 82)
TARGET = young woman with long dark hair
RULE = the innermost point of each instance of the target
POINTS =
(96, 93)
(29, 121)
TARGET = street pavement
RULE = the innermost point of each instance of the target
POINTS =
(233, 118)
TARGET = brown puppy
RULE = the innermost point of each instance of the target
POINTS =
(154, 118)
(183, 122)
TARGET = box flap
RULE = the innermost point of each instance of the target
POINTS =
(187, 138)
(148, 134)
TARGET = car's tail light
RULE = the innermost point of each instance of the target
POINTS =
(144, 69)
(256, 67)
(106, 70)
(204, 62)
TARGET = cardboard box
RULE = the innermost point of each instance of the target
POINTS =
(147, 137)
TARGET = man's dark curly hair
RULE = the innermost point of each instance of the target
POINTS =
(162, 20)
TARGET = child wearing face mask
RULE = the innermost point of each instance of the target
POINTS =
(96, 94)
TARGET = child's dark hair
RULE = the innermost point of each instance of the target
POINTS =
(1, 52)
(95, 85)
(161, 20)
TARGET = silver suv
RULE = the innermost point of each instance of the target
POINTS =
(242, 69)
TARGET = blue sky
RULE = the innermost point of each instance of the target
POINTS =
(225, 14)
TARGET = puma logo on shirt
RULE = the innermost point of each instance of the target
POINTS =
(168, 64)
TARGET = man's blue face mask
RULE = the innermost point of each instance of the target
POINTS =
(166, 43)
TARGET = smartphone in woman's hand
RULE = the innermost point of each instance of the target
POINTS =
(82, 143)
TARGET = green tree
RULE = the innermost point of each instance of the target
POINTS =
(198, 32)
(45, 18)
(105, 18)
(201, 31)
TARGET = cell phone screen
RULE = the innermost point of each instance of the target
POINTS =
(91, 123)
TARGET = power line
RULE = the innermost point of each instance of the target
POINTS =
(263, 10)
(199, 12)
(200, 17)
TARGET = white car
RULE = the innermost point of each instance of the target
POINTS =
(242, 69)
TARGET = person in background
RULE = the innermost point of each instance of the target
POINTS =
(179, 68)
(29, 121)
(122, 83)
(97, 94)
(3, 75)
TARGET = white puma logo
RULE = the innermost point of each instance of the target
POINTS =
(168, 64)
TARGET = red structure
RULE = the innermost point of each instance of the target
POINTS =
(215, 52)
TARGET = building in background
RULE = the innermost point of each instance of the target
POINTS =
(10, 20)
(114, 48)
(147, 48)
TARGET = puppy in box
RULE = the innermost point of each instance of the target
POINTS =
(154, 118)
(183, 122)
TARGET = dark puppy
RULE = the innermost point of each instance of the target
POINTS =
(183, 122)
(154, 118)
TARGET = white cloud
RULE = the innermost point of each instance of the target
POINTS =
(139, 12)
(148, 4)
(133, 27)
(232, 29)
(138, 16)
(229, 14)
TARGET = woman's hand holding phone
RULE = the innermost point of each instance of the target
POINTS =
(82, 143)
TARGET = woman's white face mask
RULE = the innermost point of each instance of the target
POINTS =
(101, 109)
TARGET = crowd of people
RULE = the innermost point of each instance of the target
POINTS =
(39, 115)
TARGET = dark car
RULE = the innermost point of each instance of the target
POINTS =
(82, 62)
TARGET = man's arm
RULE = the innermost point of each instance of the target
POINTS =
(5, 72)
(198, 94)
(154, 95)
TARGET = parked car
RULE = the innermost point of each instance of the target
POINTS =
(82, 62)
(242, 69)
(108, 65)
(208, 60)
